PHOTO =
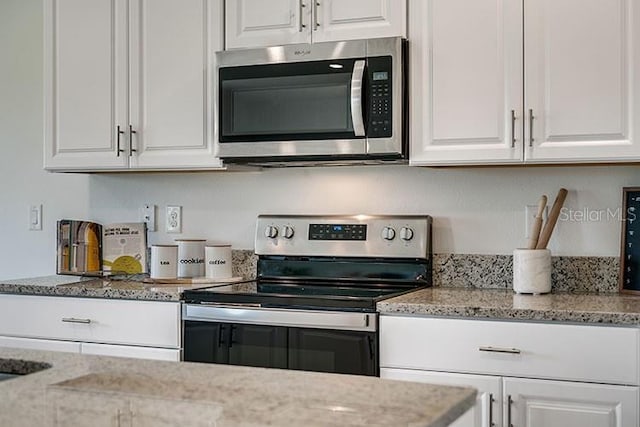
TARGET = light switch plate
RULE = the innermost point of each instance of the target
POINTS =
(148, 215)
(35, 217)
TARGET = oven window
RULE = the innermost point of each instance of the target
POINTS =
(298, 102)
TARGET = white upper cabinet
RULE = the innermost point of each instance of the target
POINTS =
(85, 83)
(466, 81)
(130, 84)
(358, 19)
(252, 23)
(582, 80)
(259, 23)
(538, 81)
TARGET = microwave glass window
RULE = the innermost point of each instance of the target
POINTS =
(287, 105)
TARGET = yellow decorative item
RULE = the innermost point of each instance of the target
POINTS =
(125, 264)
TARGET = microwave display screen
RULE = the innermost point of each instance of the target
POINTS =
(380, 75)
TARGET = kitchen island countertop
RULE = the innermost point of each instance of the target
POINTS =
(78, 388)
(591, 308)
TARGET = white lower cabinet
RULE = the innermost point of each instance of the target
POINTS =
(487, 410)
(526, 374)
(127, 328)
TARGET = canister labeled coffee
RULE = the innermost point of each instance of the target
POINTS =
(218, 261)
(191, 258)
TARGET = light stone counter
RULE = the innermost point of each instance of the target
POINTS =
(610, 308)
(87, 390)
(76, 286)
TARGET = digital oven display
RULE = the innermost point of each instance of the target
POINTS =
(337, 232)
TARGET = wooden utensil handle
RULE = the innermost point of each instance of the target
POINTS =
(553, 218)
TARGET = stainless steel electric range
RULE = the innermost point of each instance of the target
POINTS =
(313, 303)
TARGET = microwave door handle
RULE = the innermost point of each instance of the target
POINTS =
(357, 116)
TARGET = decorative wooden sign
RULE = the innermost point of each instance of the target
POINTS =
(630, 241)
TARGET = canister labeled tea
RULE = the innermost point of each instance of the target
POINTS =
(218, 261)
(191, 258)
(164, 261)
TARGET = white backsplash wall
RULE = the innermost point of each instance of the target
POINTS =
(476, 210)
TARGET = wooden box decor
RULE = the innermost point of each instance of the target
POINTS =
(630, 241)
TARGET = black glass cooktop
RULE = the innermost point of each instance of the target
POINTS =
(312, 295)
(321, 283)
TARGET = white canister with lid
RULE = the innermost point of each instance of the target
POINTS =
(218, 261)
(164, 261)
(191, 257)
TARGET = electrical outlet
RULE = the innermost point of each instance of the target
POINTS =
(148, 215)
(530, 215)
(174, 219)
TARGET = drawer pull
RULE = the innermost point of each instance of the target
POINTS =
(74, 320)
(499, 350)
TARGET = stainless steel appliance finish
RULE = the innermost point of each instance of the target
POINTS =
(288, 80)
(313, 305)
(386, 236)
(317, 319)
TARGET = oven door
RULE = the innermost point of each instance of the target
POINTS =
(322, 341)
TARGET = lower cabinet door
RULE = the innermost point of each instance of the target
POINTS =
(342, 352)
(541, 403)
(38, 344)
(205, 342)
(258, 345)
(168, 354)
(487, 412)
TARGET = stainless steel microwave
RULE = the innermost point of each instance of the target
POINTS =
(321, 103)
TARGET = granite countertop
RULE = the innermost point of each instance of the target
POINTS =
(611, 308)
(78, 388)
(91, 287)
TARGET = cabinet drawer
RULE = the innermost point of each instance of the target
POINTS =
(143, 323)
(534, 350)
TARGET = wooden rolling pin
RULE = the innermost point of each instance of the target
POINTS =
(537, 223)
(553, 218)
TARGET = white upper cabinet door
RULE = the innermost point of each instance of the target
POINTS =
(465, 81)
(173, 85)
(258, 23)
(563, 404)
(335, 20)
(582, 74)
(85, 83)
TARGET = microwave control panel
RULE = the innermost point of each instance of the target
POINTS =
(379, 103)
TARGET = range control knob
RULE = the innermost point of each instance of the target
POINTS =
(287, 232)
(271, 232)
(388, 233)
(406, 234)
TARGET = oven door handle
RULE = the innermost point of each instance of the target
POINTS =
(357, 116)
(318, 319)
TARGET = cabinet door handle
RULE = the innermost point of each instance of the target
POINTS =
(131, 149)
(118, 149)
(74, 320)
(491, 400)
(316, 21)
(513, 128)
(301, 5)
(232, 328)
(220, 336)
(509, 404)
(531, 117)
(500, 349)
